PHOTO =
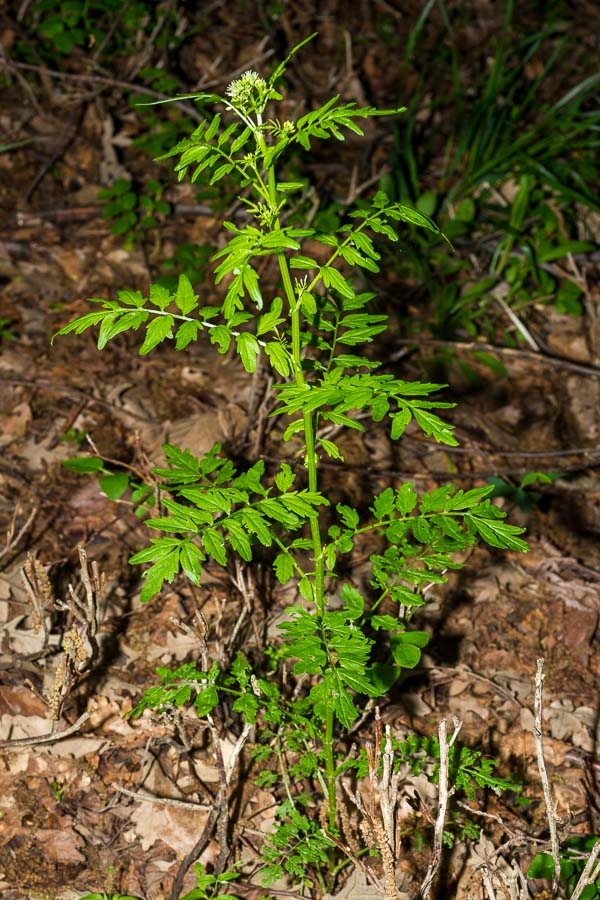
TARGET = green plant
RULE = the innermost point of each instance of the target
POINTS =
(132, 213)
(113, 484)
(5, 332)
(573, 858)
(504, 126)
(207, 886)
(522, 494)
(75, 25)
(74, 436)
(97, 896)
(503, 171)
(341, 641)
(57, 790)
(190, 260)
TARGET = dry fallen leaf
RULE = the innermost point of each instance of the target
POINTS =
(61, 845)
(16, 700)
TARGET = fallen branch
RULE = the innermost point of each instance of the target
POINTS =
(165, 801)
(46, 738)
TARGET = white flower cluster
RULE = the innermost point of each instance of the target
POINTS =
(248, 91)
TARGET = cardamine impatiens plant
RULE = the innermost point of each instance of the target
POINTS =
(347, 645)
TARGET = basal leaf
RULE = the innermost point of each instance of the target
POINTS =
(406, 498)
(353, 600)
(285, 478)
(331, 449)
(345, 709)
(221, 335)
(163, 569)
(405, 655)
(303, 262)
(433, 426)
(206, 701)
(190, 559)
(271, 319)
(114, 486)
(385, 623)
(84, 464)
(333, 278)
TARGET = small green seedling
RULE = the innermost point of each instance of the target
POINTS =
(209, 886)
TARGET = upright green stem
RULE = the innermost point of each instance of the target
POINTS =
(309, 435)
(330, 766)
(313, 484)
(308, 419)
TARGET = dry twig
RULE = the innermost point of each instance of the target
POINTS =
(590, 874)
(39, 591)
(444, 795)
(46, 738)
(12, 539)
(218, 818)
(165, 801)
(539, 746)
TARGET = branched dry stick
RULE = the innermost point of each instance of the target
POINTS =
(244, 582)
(86, 611)
(198, 633)
(444, 795)
(348, 851)
(80, 643)
(222, 824)
(37, 586)
(519, 883)
(539, 747)
(12, 539)
(487, 883)
(367, 833)
(378, 823)
(388, 794)
(239, 746)
(590, 873)
(219, 815)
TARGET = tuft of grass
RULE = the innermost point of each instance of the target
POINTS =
(505, 171)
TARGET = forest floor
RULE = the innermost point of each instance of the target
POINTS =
(66, 828)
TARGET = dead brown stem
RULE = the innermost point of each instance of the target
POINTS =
(539, 746)
(444, 795)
